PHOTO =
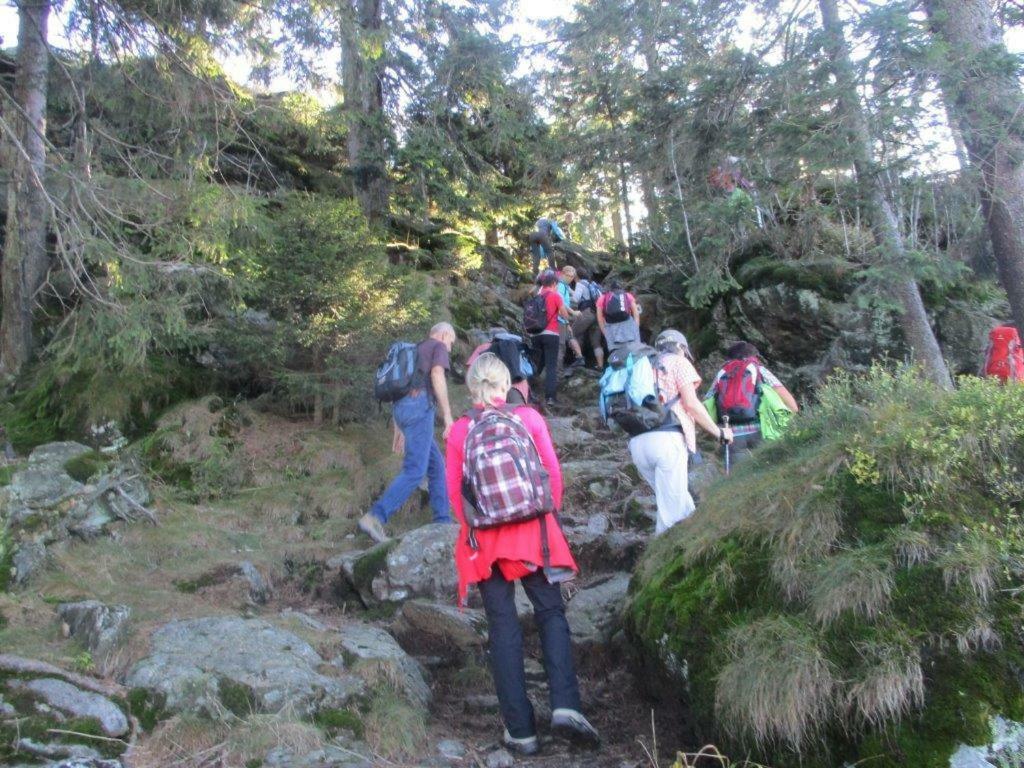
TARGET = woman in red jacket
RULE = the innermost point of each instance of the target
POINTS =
(513, 552)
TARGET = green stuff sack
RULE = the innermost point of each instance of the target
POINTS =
(772, 414)
(712, 408)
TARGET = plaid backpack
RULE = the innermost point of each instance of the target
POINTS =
(503, 479)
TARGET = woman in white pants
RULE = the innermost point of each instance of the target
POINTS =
(662, 456)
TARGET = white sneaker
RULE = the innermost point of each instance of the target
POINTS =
(371, 526)
(525, 746)
(574, 726)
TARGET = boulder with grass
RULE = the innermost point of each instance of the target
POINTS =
(852, 593)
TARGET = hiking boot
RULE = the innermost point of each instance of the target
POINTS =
(579, 362)
(550, 402)
(372, 527)
(526, 746)
(570, 724)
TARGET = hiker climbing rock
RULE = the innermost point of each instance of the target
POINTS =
(516, 356)
(505, 485)
(545, 233)
(586, 294)
(567, 337)
(541, 317)
(413, 377)
(753, 399)
(618, 315)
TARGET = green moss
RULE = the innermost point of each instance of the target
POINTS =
(6, 473)
(239, 699)
(86, 466)
(334, 721)
(147, 707)
(371, 564)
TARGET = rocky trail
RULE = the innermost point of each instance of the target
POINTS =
(287, 644)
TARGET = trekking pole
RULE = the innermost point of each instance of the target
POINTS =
(725, 421)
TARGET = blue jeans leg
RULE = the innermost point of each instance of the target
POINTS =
(505, 653)
(437, 484)
(415, 418)
(555, 640)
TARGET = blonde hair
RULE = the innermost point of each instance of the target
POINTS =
(569, 270)
(488, 379)
(442, 330)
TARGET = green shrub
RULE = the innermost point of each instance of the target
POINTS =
(850, 593)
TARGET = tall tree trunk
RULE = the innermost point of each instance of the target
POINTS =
(624, 196)
(655, 226)
(363, 61)
(983, 93)
(25, 260)
(917, 330)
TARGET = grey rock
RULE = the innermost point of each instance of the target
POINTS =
(43, 486)
(58, 751)
(260, 588)
(601, 490)
(595, 612)
(481, 703)
(585, 471)
(598, 524)
(422, 564)
(378, 658)
(87, 762)
(28, 558)
(6, 710)
(359, 568)
(451, 749)
(328, 757)
(66, 698)
(193, 662)
(57, 454)
(500, 758)
(596, 552)
(565, 432)
(425, 628)
(100, 628)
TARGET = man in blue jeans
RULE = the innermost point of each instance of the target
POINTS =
(414, 435)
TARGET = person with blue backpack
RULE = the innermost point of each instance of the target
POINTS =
(586, 294)
(413, 378)
(652, 395)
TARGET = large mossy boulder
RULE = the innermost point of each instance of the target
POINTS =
(852, 593)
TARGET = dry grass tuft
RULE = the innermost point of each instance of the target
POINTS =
(891, 686)
(858, 580)
(974, 562)
(395, 729)
(778, 684)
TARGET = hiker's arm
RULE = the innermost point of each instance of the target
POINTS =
(787, 398)
(636, 311)
(693, 406)
(441, 394)
(453, 471)
(398, 440)
(600, 317)
(563, 311)
(557, 231)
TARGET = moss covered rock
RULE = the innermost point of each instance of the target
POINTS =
(851, 593)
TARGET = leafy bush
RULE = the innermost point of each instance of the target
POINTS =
(851, 593)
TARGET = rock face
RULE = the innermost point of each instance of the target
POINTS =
(595, 612)
(422, 564)
(45, 504)
(375, 655)
(328, 757)
(100, 628)
(215, 664)
(435, 629)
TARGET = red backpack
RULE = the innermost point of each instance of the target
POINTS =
(738, 390)
(503, 478)
(1005, 357)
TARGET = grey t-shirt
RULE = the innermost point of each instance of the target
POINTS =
(429, 354)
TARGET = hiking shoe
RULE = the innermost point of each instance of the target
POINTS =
(550, 401)
(525, 746)
(572, 725)
(373, 528)
(579, 362)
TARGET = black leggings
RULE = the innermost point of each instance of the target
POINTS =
(546, 347)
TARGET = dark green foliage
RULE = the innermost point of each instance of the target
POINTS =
(239, 699)
(343, 721)
(850, 592)
(83, 468)
(147, 707)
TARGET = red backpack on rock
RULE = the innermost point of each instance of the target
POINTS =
(1005, 357)
(738, 391)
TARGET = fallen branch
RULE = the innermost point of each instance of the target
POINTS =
(97, 737)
